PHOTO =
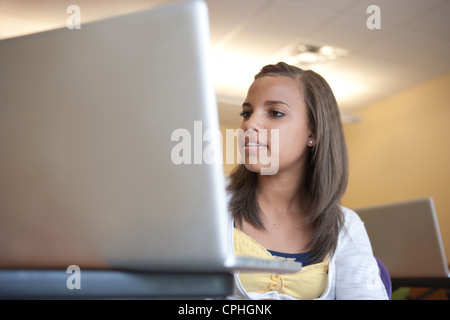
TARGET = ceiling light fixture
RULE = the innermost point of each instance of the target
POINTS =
(304, 55)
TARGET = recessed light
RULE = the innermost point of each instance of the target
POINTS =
(306, 55)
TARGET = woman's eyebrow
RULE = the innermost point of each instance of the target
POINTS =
(272, 102)
(266, 103)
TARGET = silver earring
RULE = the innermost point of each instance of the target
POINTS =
(311, 142)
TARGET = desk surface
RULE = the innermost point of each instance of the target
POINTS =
(102, 284)
(99, 284)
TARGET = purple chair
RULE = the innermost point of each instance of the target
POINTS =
(385, 277)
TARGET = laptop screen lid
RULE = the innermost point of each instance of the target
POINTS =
(92, 128)
(405, 236)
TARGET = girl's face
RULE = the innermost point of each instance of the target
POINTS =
(276, 126)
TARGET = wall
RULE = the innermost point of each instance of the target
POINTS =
(229, 119)
(401, 150)
(228, 166)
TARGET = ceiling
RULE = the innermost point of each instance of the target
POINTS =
(412, 46)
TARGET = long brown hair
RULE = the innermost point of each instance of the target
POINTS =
(326, 173)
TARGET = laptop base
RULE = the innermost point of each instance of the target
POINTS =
(112, 284)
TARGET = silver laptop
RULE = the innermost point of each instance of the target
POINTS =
(91, 127)
(405, 236)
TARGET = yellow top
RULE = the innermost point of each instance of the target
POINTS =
(309, 283)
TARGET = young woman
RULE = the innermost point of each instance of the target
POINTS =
(291, 116)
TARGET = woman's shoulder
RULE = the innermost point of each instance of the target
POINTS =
(350, 215)
(351, 220)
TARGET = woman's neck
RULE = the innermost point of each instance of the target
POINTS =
(282, 194)
(284, 208)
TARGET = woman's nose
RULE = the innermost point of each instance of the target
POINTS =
(254, 122)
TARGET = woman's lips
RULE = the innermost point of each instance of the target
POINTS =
(253, 144)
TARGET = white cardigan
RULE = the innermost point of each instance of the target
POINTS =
(353, 271)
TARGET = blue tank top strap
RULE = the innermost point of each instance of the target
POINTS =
(297, 257)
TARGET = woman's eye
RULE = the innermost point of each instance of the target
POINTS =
(245, 114)
(276, 114)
